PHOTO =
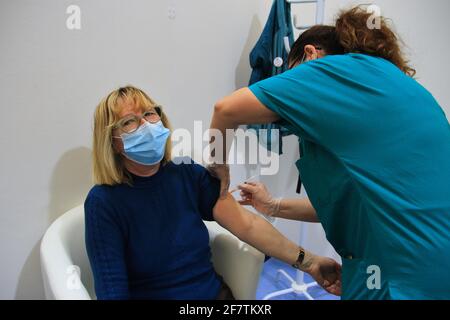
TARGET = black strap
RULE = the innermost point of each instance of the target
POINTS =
(299, 185)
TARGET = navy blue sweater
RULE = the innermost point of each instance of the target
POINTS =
(148, 241)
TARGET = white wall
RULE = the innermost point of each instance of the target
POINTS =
(51, 80)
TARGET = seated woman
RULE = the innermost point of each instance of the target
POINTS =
(145, 236)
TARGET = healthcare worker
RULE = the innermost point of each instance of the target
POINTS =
(375, 156)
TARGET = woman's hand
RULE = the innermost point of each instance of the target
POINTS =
(257, 195)
(221, 172)
(326, 272)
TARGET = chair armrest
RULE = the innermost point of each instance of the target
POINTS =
(238, 263)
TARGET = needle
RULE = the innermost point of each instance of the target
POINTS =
(236, 189)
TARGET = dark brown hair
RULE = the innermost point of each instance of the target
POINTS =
(352, 35)
(318, 36)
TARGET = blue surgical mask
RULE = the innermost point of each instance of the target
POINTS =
(147, 144)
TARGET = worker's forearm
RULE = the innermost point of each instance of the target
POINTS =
(297, 209)
(222, 122)
(264, 237)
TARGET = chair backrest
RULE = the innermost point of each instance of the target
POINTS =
(67, 274)
(65, 266)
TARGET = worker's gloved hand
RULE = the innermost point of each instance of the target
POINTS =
(221, 172)
(257, 195)
(326, 272)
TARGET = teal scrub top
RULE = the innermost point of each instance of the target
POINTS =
(375, 162)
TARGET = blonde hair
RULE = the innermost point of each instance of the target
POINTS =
(108, 167)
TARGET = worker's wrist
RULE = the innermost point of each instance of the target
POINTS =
(307, 261)
(218, 169)
(304, 260)
(216, 163)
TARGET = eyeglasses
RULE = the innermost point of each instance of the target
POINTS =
(131, 123)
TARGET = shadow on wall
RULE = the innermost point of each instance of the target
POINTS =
(71, 181)
(30, 285)
(69, 185)
(243, 69)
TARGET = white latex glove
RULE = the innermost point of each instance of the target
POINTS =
(256, 194)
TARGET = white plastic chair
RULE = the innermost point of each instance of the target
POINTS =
(67, 274)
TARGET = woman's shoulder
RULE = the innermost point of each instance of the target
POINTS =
(187, 164)
(186, 169)
(99, 195)
(100, 191)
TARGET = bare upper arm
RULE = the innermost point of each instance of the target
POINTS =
(232, 216)
(245, 108)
